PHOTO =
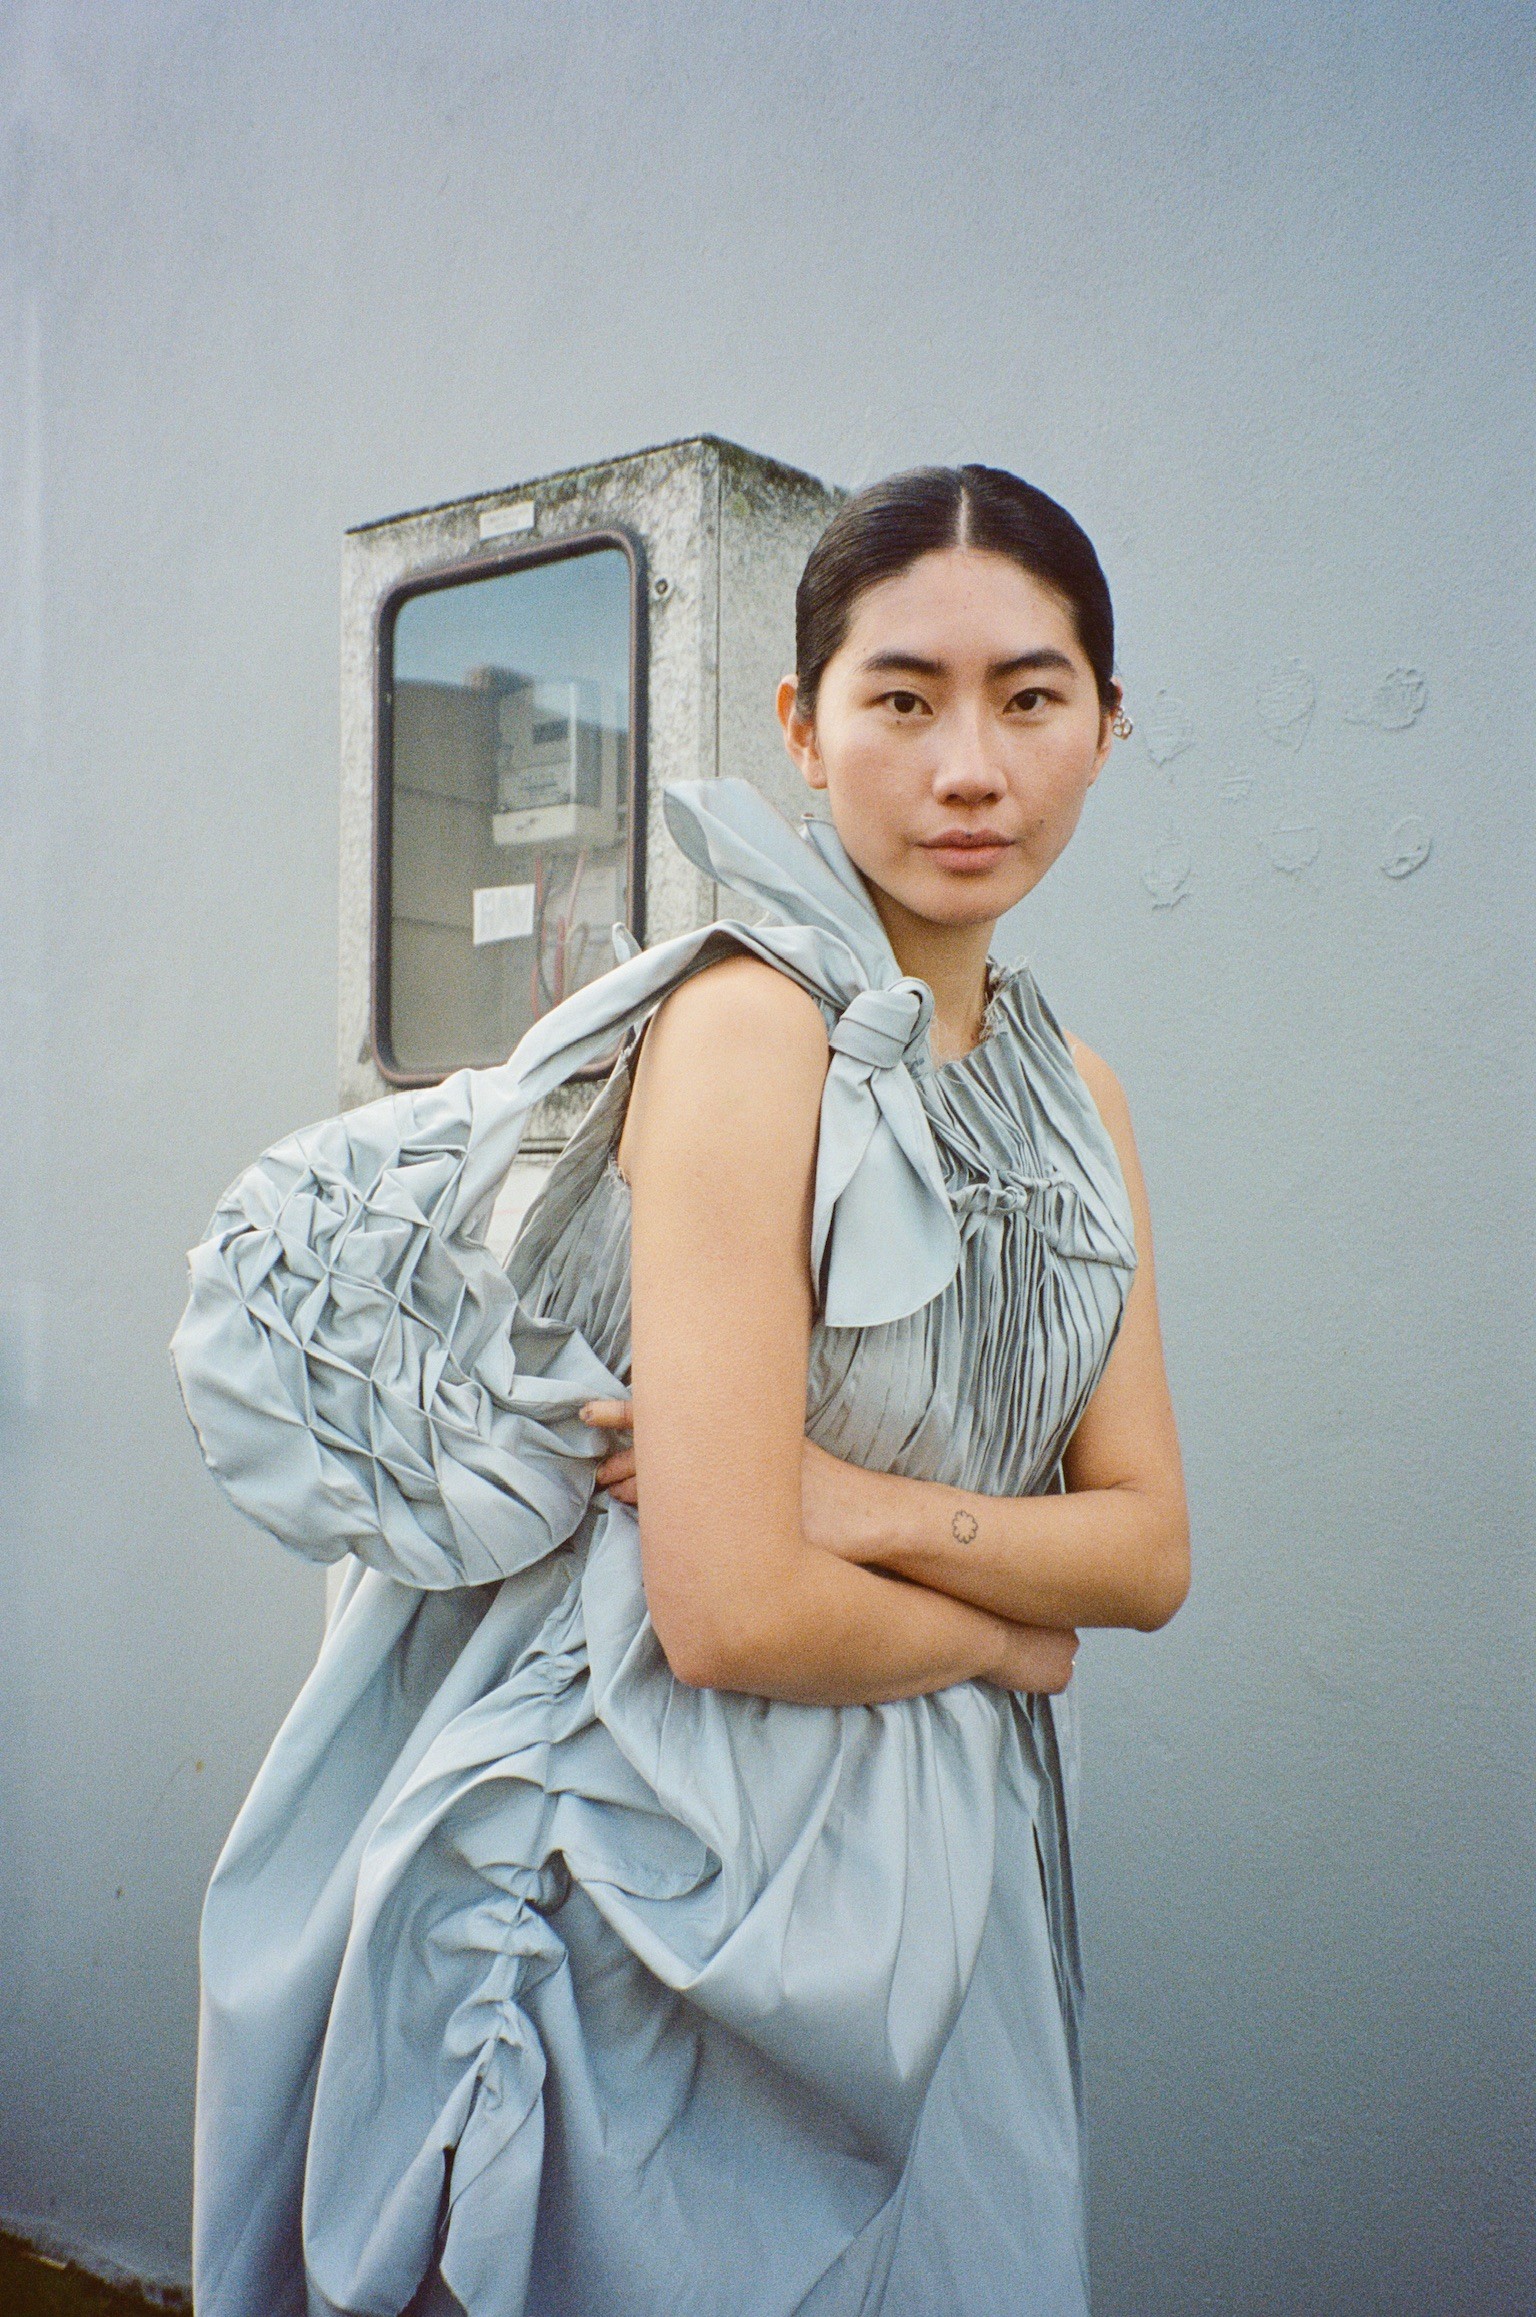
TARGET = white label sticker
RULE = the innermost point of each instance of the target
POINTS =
(506, 522)
(502, 913)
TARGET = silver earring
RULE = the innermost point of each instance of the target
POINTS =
(1121, 725)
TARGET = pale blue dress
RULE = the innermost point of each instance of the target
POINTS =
(535, 1983)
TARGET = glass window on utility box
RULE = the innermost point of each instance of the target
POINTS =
(510, 806)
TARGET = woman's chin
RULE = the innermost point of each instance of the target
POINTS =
(960, 897)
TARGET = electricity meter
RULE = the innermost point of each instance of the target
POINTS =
(557, 763)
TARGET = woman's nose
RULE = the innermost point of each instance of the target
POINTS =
(968, 772)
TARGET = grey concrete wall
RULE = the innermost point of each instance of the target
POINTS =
(1245, 288)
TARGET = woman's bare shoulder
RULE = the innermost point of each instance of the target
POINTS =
(731, 1069)
(1101, 1082)
(1110, 1102)
(744, 998)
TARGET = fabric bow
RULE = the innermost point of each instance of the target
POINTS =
(895, 1244)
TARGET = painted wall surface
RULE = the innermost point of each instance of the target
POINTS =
(1248, 290)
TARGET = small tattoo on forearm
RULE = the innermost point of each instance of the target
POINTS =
(963, 1527)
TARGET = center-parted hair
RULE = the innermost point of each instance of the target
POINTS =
(880, 531)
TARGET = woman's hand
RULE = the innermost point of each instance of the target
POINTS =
(616, 1473)
(1033, 1657)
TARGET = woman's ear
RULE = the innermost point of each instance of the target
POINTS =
(799, 733)
(1108, 715)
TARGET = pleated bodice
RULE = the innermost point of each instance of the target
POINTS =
(983, 1386)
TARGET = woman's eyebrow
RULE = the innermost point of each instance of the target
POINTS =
(913, 664)
(1046, 657)
(903, 664)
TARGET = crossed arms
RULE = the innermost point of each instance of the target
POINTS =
(770, 1566)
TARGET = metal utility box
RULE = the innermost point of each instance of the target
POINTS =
(521, 673)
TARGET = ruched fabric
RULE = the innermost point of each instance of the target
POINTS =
(535, 1981)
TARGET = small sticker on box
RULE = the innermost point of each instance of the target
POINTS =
(502, 913)
(507, 522)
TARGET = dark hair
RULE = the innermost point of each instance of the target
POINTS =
(880, 531)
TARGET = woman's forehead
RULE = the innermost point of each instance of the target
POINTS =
(960, 602)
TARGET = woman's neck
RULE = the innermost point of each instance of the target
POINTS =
(952, 960)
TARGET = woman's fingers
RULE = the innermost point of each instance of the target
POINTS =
(617, 1470)
(616, 1473)
(608, 1415)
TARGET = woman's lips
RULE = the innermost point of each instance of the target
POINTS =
(970, 849)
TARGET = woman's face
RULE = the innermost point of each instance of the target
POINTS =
(957, 731)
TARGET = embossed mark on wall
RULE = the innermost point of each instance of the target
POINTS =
(1285, 702)
(1169, 728)
(1398, 701)
(1166, 872)
(1292, 846)
(1408, 847)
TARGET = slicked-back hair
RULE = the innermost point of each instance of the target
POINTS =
(882, 530)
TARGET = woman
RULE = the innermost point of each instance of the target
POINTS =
(674, 1912)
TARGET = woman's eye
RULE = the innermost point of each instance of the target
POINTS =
(1029, 698)
(904, 703)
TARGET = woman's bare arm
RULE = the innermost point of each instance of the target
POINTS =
(1113, 1551)
(719, 1147)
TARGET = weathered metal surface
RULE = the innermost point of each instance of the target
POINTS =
(724, 534)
